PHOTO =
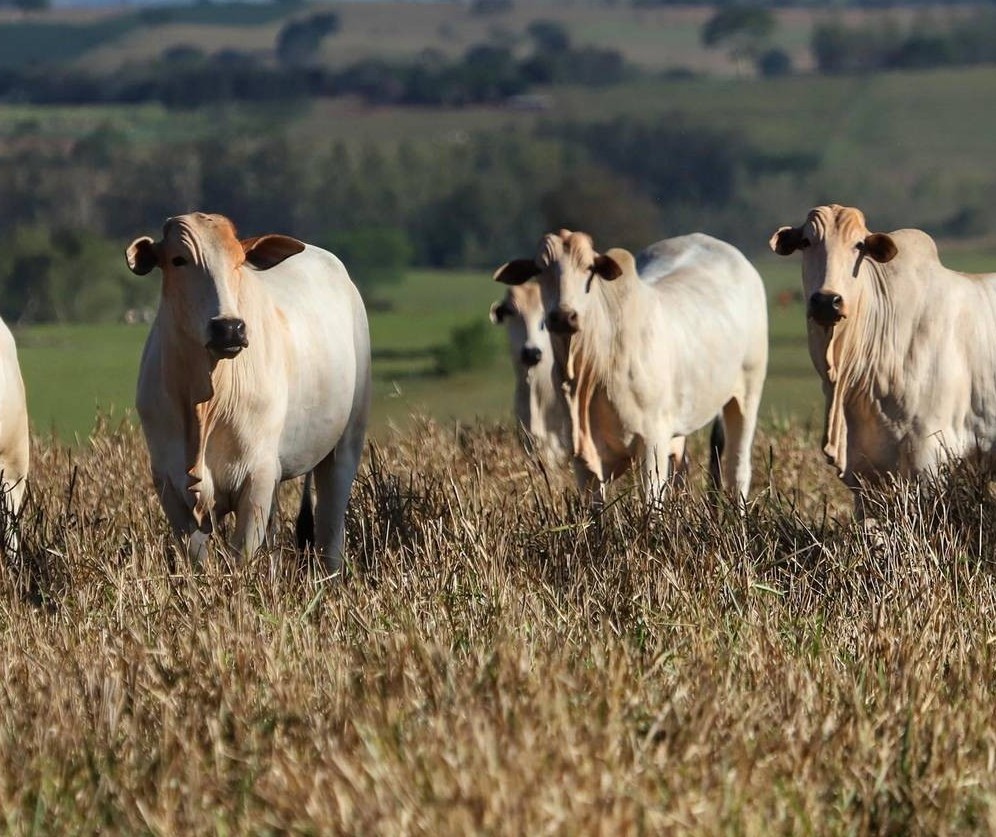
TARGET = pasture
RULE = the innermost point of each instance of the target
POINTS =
(494, 660)
(497, 662)
(74, 372)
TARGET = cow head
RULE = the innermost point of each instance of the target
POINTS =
(565, 267)
(835, 245)
(201, 260)
(521, 312)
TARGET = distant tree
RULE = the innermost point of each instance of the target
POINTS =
(549, 35)
(65, 276)
(486, 7)
(376, 257)
(744, 29)
(774, 62)
(31, 5)
(298, 41)
(603, 204)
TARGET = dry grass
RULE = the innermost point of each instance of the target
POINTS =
(497, 663)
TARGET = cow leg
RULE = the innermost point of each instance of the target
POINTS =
(678, 471)
(192, 538)
(739, 423)
(590, 486)
(12, 491)
(253, 510)
(334, 477)
(656, 470)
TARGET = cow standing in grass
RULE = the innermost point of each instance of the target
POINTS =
(257, 370)
(540, 403)
(905, 348)
(646, 362)
(15, 441)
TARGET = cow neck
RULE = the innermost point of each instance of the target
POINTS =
(855, 354)
(592, 354)
(209, 390)
(545, 391)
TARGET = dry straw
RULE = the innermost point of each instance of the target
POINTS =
(496, 662)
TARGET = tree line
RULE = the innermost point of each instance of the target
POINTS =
(187, 77)
(889, 45)
(467, 201)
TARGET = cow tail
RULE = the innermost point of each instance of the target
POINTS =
(717, 443)
(304, 529)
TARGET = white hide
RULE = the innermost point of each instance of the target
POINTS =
(539, 401)
(222, 433)
(14, 434)
(658, 358)
(909, 373)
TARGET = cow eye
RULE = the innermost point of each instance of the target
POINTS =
(179, 261)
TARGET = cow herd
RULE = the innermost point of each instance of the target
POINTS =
(257, 367)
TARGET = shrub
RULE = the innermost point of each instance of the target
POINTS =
(374, 256)
(471, 346)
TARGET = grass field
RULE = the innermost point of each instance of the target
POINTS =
(497, 663)
(72, 372)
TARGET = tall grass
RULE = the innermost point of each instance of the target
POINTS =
(495, 661)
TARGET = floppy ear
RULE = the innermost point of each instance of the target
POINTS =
(142, 255)
(268, 251)
(607, 266)
(880, 247)
(787, 240)
(517, 271)
(498, 312)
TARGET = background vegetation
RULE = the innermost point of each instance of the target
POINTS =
(684, 130)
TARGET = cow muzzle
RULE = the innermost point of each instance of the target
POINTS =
(562, 321)
(530, 356)
(227, 336)
(826, 309)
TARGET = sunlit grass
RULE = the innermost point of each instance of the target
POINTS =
(497, 662)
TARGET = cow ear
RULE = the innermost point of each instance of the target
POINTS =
(516, 271)
(880, 247)
(787, 240)
(607, 265)
(268, 251)
(498, 312)
(142, 255)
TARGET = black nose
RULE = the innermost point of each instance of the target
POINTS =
(562, 321)
(227, 335)
(826, 309)
(531, 355)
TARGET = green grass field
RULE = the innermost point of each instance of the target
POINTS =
(74, 372)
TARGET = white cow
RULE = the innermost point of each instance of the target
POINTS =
(905, 347)
(540, 403)
(257, 370)
(647, 361)
(14, 436)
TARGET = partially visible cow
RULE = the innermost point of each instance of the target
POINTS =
(256, 370)
(649, 360)
(905, 347)
(14, 437)
(540, 403)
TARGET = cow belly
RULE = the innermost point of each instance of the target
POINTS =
(319, 410)
(308, 439)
